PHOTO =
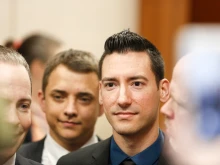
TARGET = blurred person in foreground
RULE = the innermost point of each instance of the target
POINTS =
(193, 110)
(69, 98)
(37, 49)
(131, 87)
(15, 96)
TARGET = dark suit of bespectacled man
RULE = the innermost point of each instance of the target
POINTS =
(131, 87)
(69, 98)
(15, 101)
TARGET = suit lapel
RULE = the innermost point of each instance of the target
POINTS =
(20, 160)
(99, 139)
(162, 161)
(101, 153)
(39, 150)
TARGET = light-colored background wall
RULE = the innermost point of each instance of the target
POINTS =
(83, 24)
(86, 24)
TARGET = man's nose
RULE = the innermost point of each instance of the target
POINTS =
(71, 108)
(167, 110)
(124, 97)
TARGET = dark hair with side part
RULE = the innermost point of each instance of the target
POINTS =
(127, 41)
(75, 60)
(10, 56)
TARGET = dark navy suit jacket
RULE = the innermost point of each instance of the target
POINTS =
(95, 154)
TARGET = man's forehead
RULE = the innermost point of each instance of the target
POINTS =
(14, 78)
(190, 72)
(184, 71)
(14, 91)
(180, 83)
(179, 78)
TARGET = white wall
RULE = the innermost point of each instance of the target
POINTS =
(83, 24)
(5, 20)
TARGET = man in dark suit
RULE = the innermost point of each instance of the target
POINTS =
(69, 98)
(15, 101)
(132, 84)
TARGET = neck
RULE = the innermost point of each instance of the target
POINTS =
(134, 144)
(72, 144)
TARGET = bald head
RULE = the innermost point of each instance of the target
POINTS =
(199, 71)
(196, 86)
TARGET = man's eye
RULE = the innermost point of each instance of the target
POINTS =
(137, 84)
(85, 99)
(58, 97)
(24, 107)
(109, 85)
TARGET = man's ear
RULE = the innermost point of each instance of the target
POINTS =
(100, 94)
(164, 90)
(41, 99)
(100, 100)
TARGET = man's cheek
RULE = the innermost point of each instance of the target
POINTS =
(25, 120)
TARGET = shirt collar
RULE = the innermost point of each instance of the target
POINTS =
(53, 151)
(11, 161)
(92, 140)
(149, 156)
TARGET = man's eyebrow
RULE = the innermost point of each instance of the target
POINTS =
(25, 99)
(108, 79)
(130, 78)
(58, 91)
(138, 77)
(80, 94)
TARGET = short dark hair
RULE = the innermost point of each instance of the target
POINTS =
(75, 60)
(38, 46)
(10, 56)
(126, 41)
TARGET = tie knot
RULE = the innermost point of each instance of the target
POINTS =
(127, 162)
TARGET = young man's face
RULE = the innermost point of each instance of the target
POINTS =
(71, 105)
(15, 95)
(129, 94)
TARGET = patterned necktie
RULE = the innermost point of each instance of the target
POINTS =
(127, 162)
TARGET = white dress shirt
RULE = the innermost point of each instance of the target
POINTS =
(11, 161)
(53, 151)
